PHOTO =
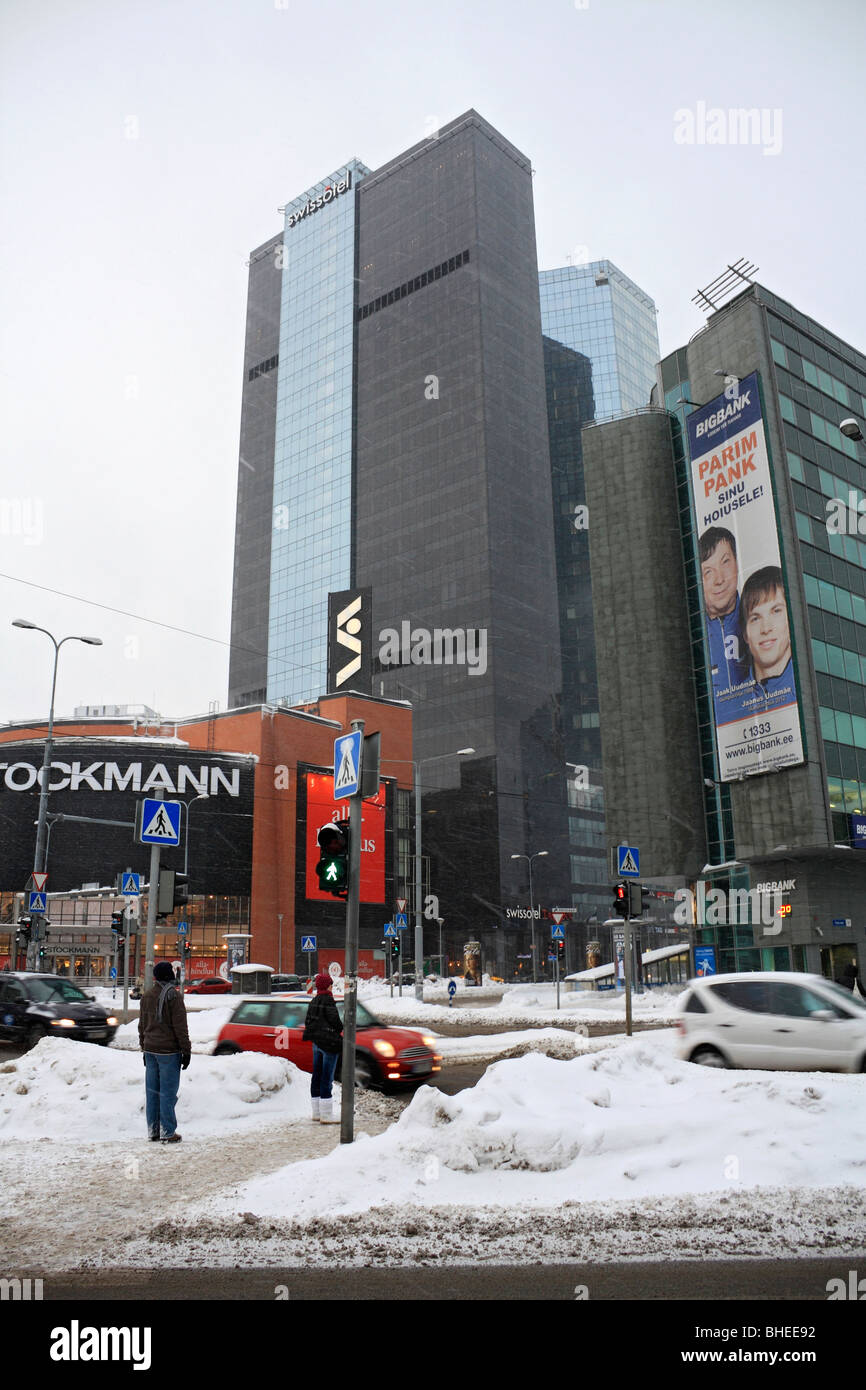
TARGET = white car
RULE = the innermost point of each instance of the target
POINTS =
(781, 1020)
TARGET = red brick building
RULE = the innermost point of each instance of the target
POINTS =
(260, 778)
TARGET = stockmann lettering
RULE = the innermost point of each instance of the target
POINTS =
(107, 777)
(314, 204)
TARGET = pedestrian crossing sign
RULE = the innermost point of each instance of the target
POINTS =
(628, 861)
(347, 765)
(157, 822)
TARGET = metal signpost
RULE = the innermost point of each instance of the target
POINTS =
(347, 783)
(390, 931)
(308, 946)
(557, 933)
(157, 823)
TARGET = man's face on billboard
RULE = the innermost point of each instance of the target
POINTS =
(719, 575)
(768, 637)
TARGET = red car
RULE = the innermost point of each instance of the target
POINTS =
(382, 1054)
(211, 985)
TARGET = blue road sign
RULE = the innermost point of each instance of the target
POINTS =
(557, 932)
(401, 920)
(452, 988)
(390, 929)
(112, 974)
(705, 960)
(38, 902)
(182, 928)
(308, 943)
(130, 885)
(347, 763)
(160, 822)
(628, 861)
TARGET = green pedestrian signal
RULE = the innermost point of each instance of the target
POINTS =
(333, 866)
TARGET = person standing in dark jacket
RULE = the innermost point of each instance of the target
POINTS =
(164, 1040)
(325, 1031)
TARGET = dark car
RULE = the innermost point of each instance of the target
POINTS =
(39, 1006)
(280, 983)
(384, 1055)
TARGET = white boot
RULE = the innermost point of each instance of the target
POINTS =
(316, 1111)
(326, 1112)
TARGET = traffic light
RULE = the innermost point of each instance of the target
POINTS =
(395, 948)
(117, 921)
(172, 893)
(635, 900)
(560, 951)
(333, 866)
(180, 897)
(24, 929)
(621, 899)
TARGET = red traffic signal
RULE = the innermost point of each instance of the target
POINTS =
(621, 899)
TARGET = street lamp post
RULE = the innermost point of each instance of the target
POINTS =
(419, 927)
(539, 854)
(202, 796)
(42, 822)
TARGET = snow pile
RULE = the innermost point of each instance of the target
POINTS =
(629, 1122)
(67, 1090)
(203, 1027)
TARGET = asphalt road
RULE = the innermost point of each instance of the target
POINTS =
(760, 1281)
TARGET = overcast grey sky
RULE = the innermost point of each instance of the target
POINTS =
(146, 146)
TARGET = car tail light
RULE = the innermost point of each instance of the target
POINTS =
(681, 1027)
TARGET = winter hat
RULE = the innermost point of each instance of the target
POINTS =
(162, 971)
(323, 983)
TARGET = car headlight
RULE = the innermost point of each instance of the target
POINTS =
(385, 1049)
(428, 1041)
(63, 1022)
(112, 1021)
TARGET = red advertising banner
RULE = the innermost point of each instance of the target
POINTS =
(322, 809)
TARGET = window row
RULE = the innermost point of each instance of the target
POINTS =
(420, 282)
(262, 368)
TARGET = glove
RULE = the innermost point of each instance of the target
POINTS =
(185, 1058)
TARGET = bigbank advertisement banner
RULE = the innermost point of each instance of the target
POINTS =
(745, 602)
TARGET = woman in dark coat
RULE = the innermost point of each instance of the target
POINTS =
(325, 1031)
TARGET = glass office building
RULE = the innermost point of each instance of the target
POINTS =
(311, 537)
(797, 830)
(600, 353)
(596, 310)
(410, 458)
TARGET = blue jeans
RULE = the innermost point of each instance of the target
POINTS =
(161, 1083)
(324, 1066)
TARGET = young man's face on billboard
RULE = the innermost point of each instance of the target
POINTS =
(768, 637)
(719, 575)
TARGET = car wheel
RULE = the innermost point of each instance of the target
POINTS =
(35, 1034)
(366, 1075)
(708, 1057)
(226, 1050)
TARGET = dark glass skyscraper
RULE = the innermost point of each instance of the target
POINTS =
(410, 454)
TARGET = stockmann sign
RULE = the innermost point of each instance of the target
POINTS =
(312, 205)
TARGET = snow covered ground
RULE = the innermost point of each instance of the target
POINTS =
(507, 1006)
(621, 1151)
